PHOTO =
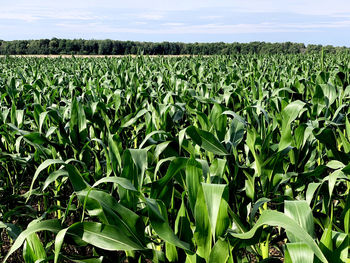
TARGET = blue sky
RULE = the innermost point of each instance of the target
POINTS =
(315, 22)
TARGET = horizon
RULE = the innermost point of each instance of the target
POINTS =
(314, 22)
(94, 39)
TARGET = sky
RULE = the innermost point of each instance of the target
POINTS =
(310, 22)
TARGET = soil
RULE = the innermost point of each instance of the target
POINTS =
(5, 247)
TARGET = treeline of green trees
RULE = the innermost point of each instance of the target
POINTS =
(116, 47)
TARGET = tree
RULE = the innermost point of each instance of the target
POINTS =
(105, 47)
(115, 47)
(54, 46)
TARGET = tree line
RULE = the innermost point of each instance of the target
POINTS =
(56, 46)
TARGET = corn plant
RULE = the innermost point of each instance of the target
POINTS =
(183, 159)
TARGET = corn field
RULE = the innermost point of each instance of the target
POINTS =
(181, 159)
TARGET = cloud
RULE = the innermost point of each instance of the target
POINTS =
(178, 28)
(341, 16)
(173, 24)
(140, 23)
(35, 15)
(18, 16)
(208, 29)
(151, 16)
(321, 25)
(249, 28)
(71, 15)
(311, 7)
(177, 20)
(210, 17)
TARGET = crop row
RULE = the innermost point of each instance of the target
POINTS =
(187, 159)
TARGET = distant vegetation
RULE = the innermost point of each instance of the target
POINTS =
(115, 47)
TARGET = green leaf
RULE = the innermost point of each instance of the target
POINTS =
(347, 128)
(114, 153)
(103, 236)
(311, 189)
(54, 176)
(217, 169)
(194, 175)
(235, 133)
(274, 218)
(51, 225)
(75, 178)
(159, 189)
(326, 242)
(334, 164)
(202, 233)
(36, 137)
(220, 252)
(213, 194)
(286, 138)
(289, 114)
(161, 226)
(299, 135)
(150, 136)
(344, 141)
(33, 249)
(332, 180)
(299, 253)
(218, 120)
(330, 93)
(223, 221)
(139, 156)
(12, 229)
(341, 241)
(182, 223)
(123, 182)
(134, 119)
(301, 212)
(345, 215)
(170, 252)
(77, 124)
(42, 167)
(256, 207)
(110, 211)
(59, 242)
(206, 140)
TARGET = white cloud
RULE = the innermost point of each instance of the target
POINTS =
(312, 7)
(173, 24)
(180, 28)
(70, 15)
(18, 16)
(151, 16)
(155, 10)
(193, 18)
(210, 17)
(30, 15)
(320, 7)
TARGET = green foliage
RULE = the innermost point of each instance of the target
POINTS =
(181, 159)
(115, 47)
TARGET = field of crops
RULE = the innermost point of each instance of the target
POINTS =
(183, 159)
